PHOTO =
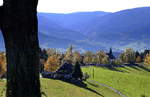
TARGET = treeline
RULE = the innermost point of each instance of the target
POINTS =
(51, 59)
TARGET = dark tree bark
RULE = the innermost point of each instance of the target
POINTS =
(19, 28)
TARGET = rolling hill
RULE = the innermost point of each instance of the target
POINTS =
(128, 28)
(96, 30)
(57, 88)
(131, 81)
(51, 28)
(73, 21)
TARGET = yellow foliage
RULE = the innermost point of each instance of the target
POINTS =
(102, 58)
(69, 55)
(52, 63)
(88, 57)
(77, 57)
(128, 56)
(147, 59)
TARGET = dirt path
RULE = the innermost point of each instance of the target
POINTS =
(101, 84)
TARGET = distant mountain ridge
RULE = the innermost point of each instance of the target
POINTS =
(95, 30)
(127, 27)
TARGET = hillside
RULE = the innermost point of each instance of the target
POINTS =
(109, 29)
(55, 30)
(56, 88)
(50, 28)
(73, 21)
(131, 81)
(127, 28)
(47, 41)
(95, 30)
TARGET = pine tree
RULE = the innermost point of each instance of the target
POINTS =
(110, 54)
(137, 54)
(77, 73)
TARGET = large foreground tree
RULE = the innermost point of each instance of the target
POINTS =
(19, 28)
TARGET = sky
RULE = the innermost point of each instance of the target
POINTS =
(68, 6)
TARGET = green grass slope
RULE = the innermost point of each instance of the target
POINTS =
(56, 88)
(131, 81)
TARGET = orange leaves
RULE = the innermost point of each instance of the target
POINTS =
(52, 63)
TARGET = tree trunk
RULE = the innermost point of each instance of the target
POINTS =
(19, 29)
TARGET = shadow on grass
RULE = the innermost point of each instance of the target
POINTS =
(94, 85)
(143, 67)
(43, 93)
(113, 68)
(84, 86)
(134, 66)
(138, 67)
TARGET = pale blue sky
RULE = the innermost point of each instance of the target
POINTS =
(67, 6)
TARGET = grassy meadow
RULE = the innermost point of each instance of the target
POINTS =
(56, 88)
(131, 81)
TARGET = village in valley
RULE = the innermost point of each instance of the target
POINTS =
(74, 53)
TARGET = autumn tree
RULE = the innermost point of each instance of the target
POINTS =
(147, 60)
(52, 63)
(77, 57)
(128, 56)
(88, 57)
(51, 52)
(102, 57)
(19, 27)
(94, 59)
(105, 60)
(69, 55)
